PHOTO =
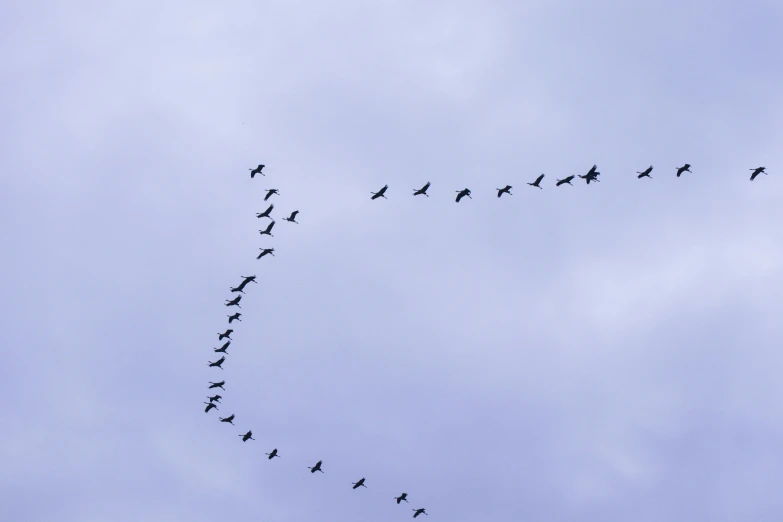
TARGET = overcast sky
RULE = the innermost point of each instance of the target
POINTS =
(609, 352)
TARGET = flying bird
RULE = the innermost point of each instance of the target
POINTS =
(537, 182)
(265, 251)
(229, 419)
(273, 454)
(214, 398)
(256, 170)
(505, 190)
(315, 468)
(592, 175)
(218, 363)
(248, 435)
(235, 317)
(234, 302)
(418, 512)
(268, 231)
(248, 279)
(422, 190)
(270, 192)
(380, 194)
(239, 289)
(266, 213)
(561, 182)
(210, 405)
(462, 193)
(684, 168)
(227, 333)
(757, 171)
(217, 385)
(292, 217)
(645, 173)
(402, 497)
(360, 483)
(223, 348)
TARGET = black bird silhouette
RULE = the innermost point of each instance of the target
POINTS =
(402, 497)
(645, 173)
(217, 364)
(248, 435)
(247, 279)
(238, 289)
(214, 398)
(265, 251)
(223, 348)
(562, 181)
(227, 333)
(235, 317)
(380, 194)
(418, 512)
(234, 302)
(757, 171)
(273, 454)
(268, 231)
(266, 213)
(592, 175)
(210, 405)
(462, 193)
(360, 483)
(292, 217)
(422, 190)
(506, 190)
(537, 182)
(229, 419)
(315, 468)
(270, 192)
(256, 170)
(684, 168)
(217, 385)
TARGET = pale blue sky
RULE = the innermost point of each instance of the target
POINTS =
(601, 353)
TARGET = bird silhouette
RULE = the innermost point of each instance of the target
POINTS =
(248, 435)
(462, 193)
(223, 348)
(273, 454)
(757, 171)
(235, 317)
(537, 182)
(505, 190)
(422, 190)
(266, 213)
(227, 334)
(418, 512)
(229, 419)
(214, 398)
(315, 468)
(238, 289)
(270, 192)
(645, 173)
(210, 405)
(256, 170)
(218, 363)
(217, 385)
(380, 194)
(403, 497)
(359, 483)
(684, 168)
(564, 181)
(268, 231)
(265, 251)
(292, 217)
(234, 302)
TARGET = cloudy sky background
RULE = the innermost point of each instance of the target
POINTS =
(596, 353)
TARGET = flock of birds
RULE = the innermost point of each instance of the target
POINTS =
(592, 175)
(240, 288)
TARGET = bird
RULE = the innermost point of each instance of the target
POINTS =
(214, 398)
(315, 468)
(418, 512)
(537, 182)
(217, 385)
(227, 333)
(223, 348)
(270, 192)
(266, 213)
(506, 190)
(684, 168)
(757, 171)
(462, 193)
(234, 302)
(592, 175)
(229, 419)
(248, 435)
(235, 317)
(217, 364)
(645, 173)
(268, 231)
(402, 497)
(360, 483)
(210, 405)
(380, 194)
(422, 190)
(564, 180)
(273, 454)
(292, 217)
(248, 279)
(265, 251)
(256, 170)
(238, 289)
